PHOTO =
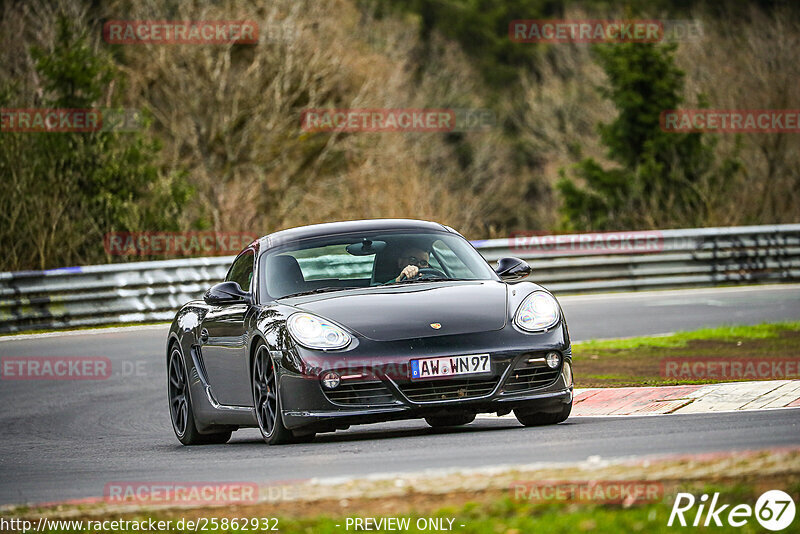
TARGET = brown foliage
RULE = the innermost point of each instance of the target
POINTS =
(229, 116)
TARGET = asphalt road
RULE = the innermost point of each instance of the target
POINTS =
(658, 312)
(68, 439)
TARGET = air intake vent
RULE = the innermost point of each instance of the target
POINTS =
(449, 389)
(526, 377)
(368, 393)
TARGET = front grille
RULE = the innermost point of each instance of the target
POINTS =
(366, 393)
(437, 390)
(525, 378)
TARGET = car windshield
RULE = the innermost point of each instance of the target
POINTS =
(368, 259)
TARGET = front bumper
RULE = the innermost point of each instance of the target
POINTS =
(378, 388)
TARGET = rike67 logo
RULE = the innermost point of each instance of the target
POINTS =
(774, 510)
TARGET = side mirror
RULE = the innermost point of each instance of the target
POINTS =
(226, 293)
(511, 269)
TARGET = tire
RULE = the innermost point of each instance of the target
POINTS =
(180, 405)
(444, 421)
(266, 399)
(529, 418)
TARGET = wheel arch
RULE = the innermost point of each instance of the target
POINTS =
(172, 340)
(256, 340)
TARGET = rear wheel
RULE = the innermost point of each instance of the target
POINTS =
(267, 400)
(532, 418)
(180, 406)
(443, 421)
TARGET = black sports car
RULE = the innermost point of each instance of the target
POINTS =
(324, 326)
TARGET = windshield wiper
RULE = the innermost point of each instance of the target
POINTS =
(325, 289)
(418, 280)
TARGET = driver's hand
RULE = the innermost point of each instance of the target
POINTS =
(410, 271)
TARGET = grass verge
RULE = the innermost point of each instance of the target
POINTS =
(487, 501)
(639, 361)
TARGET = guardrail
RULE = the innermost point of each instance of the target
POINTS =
(576, 263)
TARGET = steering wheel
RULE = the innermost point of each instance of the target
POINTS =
(427, 273)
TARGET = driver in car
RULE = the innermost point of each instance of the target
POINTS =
(410, 262)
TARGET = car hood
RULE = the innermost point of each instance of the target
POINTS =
(394, 313)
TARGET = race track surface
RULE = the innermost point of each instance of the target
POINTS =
(68, 439)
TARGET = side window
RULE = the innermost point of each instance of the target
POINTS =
(451, 263)
(242, 270)
(433, 261)
(333, 262)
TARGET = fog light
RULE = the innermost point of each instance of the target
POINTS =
(553, 359)
(330, 380)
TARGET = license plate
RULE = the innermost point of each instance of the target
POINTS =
(450, 366)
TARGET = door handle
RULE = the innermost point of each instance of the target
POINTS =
(204, 335)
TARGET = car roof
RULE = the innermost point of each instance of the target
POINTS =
(345, 227)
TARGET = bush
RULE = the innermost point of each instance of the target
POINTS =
(65, 191)
(661, 178)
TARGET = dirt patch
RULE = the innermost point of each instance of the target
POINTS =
(643, 365)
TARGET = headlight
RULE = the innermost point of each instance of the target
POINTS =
(316, 333)
(539, 311)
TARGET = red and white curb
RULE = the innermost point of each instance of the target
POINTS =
(662, 400)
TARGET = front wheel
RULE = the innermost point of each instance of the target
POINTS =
(180, 406)
(266, 399)
(530, 418)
